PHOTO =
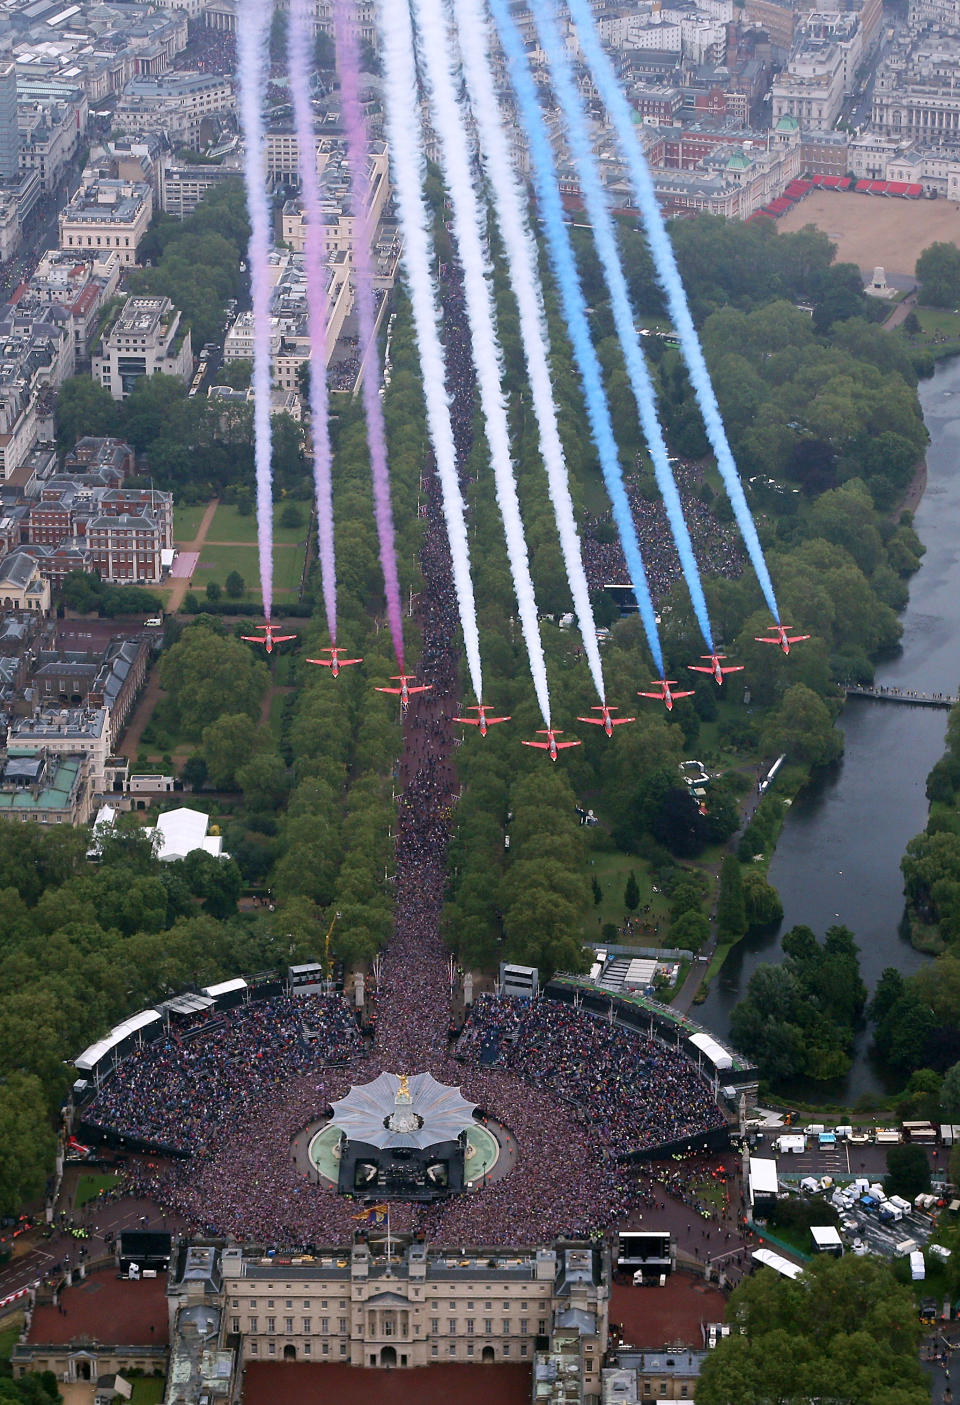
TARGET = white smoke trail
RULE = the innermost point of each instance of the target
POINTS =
(406, 154)
(474, 44)
(661, 250)
(253, 34)
(467, 219)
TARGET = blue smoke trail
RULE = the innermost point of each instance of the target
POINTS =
(668, 274)
(564, 268)
(605, 240)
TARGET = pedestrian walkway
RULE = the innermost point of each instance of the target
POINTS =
(181, 584)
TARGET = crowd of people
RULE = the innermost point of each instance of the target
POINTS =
(635, 1092)
(570, 1093)
(182, 1091)
(716, 544)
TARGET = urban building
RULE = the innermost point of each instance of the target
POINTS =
(183, 186)
(64, 732)
(9, 126)
(47, 788)
(175, 104)
(105, 215)
(22, 584)
(144, 339)
(421, 1305)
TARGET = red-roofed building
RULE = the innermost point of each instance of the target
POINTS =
(101, 1325)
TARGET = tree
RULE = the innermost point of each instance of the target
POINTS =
(291, 516)
(950, 1094)
(194, 772)
(803, 728)
(230, 743)
(597, 891)
(206, 675)
(761, 901)
(84, 407)
(845, 1331)
(631, 893)
(234, 585)
(908, 1171)
(938, 272)
(731, 907)
(213, 591)
(27, 1142)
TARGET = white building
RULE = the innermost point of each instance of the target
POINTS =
(144, 340)
(180, 832)
(107, 214)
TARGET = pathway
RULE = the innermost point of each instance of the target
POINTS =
(266, 707)
(148, 699)
(180, 586)
(901, 312)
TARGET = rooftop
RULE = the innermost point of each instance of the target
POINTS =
(108, 1309)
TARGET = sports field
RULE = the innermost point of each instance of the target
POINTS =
(870, 229)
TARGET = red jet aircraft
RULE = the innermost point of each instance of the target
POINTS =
(268, 638)
(335, 662)
(605, 720)
(404, 691)
(482, 720)
(714, 667)
(665, 695)
(551, 745)
(779, 636)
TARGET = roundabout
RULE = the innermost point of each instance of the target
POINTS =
(400, 1136)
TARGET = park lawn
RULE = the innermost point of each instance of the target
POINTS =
(229, 525)
(90, 1186)
(611, 871)
(939, 321)
(186, 522)
(10, 1330)
(147, 1390)
(216, 563)
(712, 1193)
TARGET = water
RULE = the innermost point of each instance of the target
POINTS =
(838, 860)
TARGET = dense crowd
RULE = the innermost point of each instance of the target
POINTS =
(635, 1092)
(182, 1091)
(571, 1093)
(716, 544)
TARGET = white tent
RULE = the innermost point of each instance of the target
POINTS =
(180, 832)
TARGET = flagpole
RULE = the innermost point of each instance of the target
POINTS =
(389, 1245)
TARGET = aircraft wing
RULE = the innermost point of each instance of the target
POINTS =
(796, 638)
(703, 668)
(618, 721)
(687, 694)
(471, 721)
(562, 745)
(545, 746)
(599, 721)
(388, 690)
(324, 663)
(658, 697)
(420, 688)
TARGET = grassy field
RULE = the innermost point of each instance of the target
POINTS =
(186, 522)
(89, 1187)
(216, 563)
(611, 872)
(10, 1329)
(229, 525)
(147, 1390)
